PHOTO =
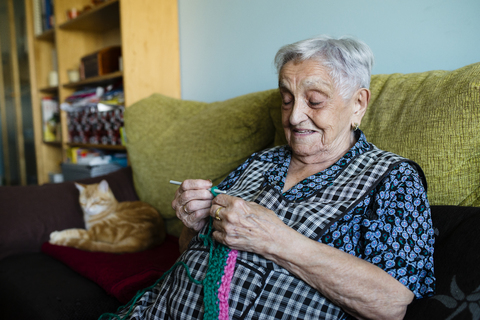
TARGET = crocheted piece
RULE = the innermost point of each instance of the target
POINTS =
(216, 285)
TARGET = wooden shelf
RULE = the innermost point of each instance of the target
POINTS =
(97, 146)
(49, 90)
(48, 35)
(100, 18)
(146, 30)
(53, 143)
(108, 78)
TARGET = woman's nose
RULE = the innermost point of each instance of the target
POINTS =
(298, 114)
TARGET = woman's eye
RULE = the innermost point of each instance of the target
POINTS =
(315, 103)
(287, 99)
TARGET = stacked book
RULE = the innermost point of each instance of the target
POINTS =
(43, 16)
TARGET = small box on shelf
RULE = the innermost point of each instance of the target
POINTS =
(100, 63)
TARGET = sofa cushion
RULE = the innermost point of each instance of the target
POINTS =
(29, 214)
(172, 139)
(456, 260)
(432, 118)
(36, 286)
(120, 275)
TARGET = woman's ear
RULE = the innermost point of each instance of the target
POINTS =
(361, 100)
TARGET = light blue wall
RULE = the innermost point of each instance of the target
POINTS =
(227, 46)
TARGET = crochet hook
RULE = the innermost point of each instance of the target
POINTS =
(214, 190)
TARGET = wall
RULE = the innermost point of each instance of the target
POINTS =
(227, 46)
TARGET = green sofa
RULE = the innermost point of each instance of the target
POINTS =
(430, 117)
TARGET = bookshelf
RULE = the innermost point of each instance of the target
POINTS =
(147, 31)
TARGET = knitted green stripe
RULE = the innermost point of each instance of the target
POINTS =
(213, 277)
(212, 281)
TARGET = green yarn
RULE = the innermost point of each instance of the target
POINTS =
(215, 271)
(211, 282)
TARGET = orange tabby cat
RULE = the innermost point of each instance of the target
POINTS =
(112, 226)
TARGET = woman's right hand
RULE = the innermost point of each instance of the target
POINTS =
(192, 203)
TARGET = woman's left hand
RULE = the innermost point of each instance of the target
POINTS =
(244, 225)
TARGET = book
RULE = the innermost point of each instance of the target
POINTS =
(48, 19)
(51, 119)
(37, 17)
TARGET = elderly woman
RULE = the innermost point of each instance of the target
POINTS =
(327, 227)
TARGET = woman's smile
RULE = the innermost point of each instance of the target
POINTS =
(303, 132)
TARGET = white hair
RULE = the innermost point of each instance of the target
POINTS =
(349, 60)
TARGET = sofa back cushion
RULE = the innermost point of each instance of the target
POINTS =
(172, 139)
(432, 118)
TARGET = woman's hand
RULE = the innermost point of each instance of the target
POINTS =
(192, 203)
(359, 287)
(245, 226)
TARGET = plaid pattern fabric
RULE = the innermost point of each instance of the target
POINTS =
(260, 289)
(327, 204)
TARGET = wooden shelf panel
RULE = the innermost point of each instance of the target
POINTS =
(53, 143)
(48, 35)
(97, 146)
(49, 90)
(111, 77)
(100, 18)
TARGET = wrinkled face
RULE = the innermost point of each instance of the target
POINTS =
(316, 119)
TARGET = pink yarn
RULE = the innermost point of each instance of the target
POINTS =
(224, 289)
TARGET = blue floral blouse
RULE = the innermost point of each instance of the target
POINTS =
(391, 228)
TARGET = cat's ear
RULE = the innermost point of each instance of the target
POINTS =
(79, 187)
(103, 186)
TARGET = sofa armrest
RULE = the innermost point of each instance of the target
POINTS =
(29, 214)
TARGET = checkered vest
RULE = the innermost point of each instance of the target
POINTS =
(261, 289)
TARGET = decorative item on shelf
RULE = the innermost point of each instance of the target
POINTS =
(55, 177)
(72, 13)
(73, 75)
(53, 78)
(101, 62)
(86, 8)
(95, 116)
(51, 120)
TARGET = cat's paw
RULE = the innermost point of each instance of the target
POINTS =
(55, 237)
(64, 236)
